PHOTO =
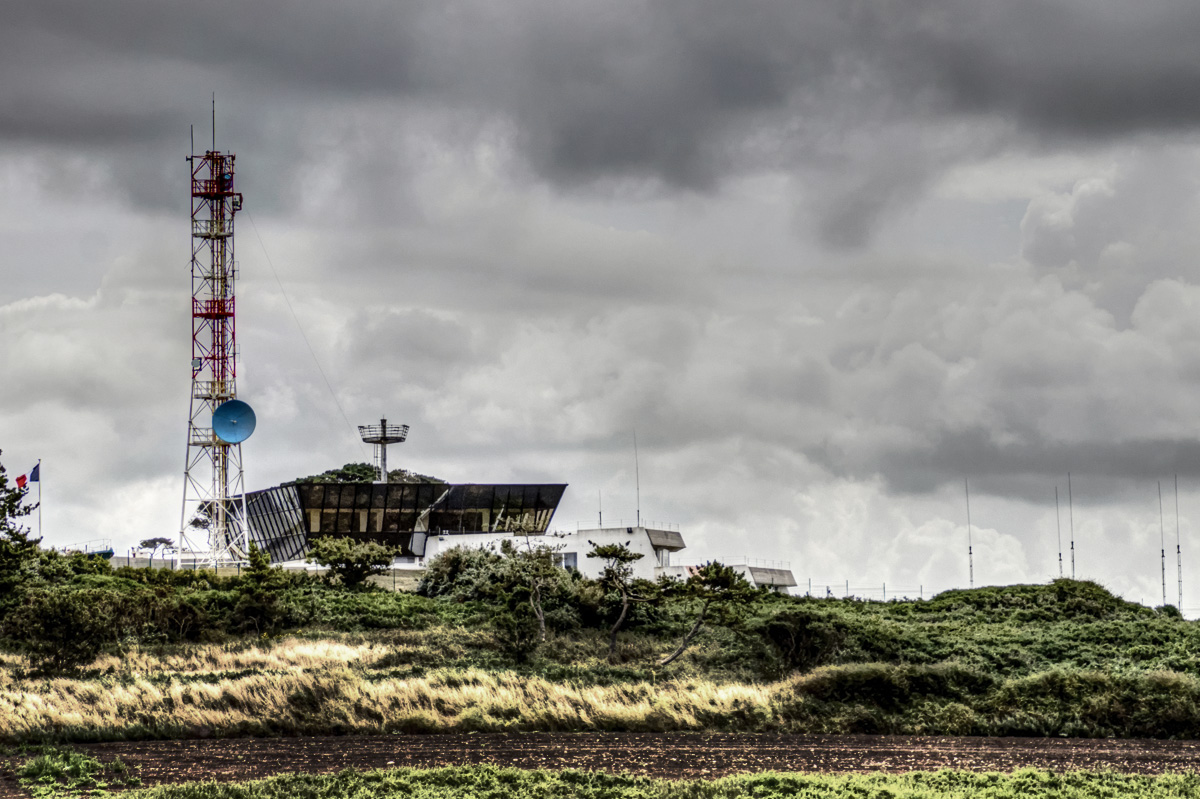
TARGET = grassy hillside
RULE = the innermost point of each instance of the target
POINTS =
(174, 659)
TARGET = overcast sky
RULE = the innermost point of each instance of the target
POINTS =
(828, 260)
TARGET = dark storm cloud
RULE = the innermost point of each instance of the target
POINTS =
(359, 46)
(669, 91)
(1112, 470)
(1083, 67)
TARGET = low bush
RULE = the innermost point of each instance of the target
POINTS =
(53, 772)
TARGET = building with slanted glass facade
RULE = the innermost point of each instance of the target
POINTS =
(285, 518)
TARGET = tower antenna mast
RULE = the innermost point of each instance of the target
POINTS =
(1071, 518)
(970, 552)
(637, 479)
(1058, 525)
(1162, 540)
(212, 528)
(1178, 550)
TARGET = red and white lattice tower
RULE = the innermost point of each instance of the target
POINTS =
(212, 530)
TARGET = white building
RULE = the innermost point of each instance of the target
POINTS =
(572, 547)
(656, 546)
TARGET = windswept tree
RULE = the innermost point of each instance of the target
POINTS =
(534, 571)
(155, 544)
(617, 576)
(716, 587)
(518, 582)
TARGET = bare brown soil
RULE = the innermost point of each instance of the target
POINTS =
(669, 755)
(659, 755)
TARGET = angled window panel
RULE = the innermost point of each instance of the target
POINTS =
(276, 523)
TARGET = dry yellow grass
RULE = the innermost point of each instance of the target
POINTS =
(287, 654)
(298, 685)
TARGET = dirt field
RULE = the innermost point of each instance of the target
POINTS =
(665, 755)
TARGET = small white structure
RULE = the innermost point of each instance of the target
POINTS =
(772, 575)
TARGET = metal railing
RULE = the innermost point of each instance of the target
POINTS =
(91, 545)
(202, 436)
(843, 589)
(212, 228)
(213, 389)
(612, 524)
(738, 560)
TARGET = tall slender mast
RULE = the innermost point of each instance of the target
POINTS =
(211, 528)
(637, 478)
(970, 553)
(1162, 540)
(1058, 525)
(1071, 517)
(1178, 551)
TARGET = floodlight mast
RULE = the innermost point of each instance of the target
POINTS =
(212, 529)
(379, 436)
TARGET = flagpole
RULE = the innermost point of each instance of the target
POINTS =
(39, 468)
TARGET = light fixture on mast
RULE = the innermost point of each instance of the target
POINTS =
(379, 436)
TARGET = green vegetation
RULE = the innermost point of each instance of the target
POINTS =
(366, 473)
(508, 783)
(54, 772)
(351, 561)
(1066, 659)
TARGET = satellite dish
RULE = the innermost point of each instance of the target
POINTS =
(233, 421)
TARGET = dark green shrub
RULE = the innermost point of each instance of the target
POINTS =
(351, 561)
(460, 573)
(63, 630)
(802, 637)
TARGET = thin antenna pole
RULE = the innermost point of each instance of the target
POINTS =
(1178, 551)
(1071, 516)
(1162, 540)
(214, 120)
(191, 141)
(637, 476)
(970, 552)
(1058, 524)
(600, 505)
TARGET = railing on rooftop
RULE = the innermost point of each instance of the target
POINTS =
(843, 589)
(610, 524)
(92, 545)
(739, 560)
